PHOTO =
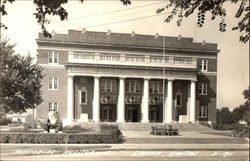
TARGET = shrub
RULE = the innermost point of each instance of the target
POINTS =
(5, 121)
(107, 128)
(30, 122)
(75, 129)
(55, 138)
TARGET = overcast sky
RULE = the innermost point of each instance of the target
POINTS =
(233, 59)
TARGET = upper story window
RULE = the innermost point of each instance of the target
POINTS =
(155, 86)
(53, 106)
(108, 85)
(202, 88)
(132, 86)
(203, 66)
(53, 57)
(203, 112)
(53, 83)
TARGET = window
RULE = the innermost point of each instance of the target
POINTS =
(53, 83)
(155, 86)
(202, 88)
(203, 112)
(53, 106)
(108, 85)
(53, 57)
(178, 100)
(83, 97)
(132, 86)
(203, 65)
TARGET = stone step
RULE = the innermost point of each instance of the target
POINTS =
(147, 126)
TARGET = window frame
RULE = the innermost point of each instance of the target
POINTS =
(203, 88)
(53, 81)
(203, 112)
(52, 106)
(53, 55)
(156, 87)
(136, 88)
(111, 83)
(204, 65)
(86, 97)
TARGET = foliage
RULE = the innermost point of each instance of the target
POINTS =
(75, 129)
(215, 8)
(55, 138)
(30, 122)
(224, 116)
(20, 80)
(243, 111)
(5, 121)
(182, 8)
(107, 128)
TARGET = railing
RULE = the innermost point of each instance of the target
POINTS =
(129, 59)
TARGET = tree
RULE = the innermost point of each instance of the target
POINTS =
(224, 116)
(20, 80)
(185, 8)
(243, 111)
(182, 8)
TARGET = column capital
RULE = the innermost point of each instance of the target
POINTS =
(71, 75)
(147, 78)
(97, 76)
(122, 77)
(171, 79)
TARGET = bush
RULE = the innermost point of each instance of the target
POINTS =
(30, 122)
(55, 138)
(75, 129)
(5, 121)
(113, 129)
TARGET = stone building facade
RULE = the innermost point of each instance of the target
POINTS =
(114, 77)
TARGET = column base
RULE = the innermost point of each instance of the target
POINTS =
(97, 120)
(169, 121)
(145, 121)
(121, 121)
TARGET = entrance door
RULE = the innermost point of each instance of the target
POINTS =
(155, 115)
(108, 113)
(133, 114)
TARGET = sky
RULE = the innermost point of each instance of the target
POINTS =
(141, 17)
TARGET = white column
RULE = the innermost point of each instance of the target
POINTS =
(70, 100)
(145, 105)
(96, 100)
(192, 102)
(169, 111)
(121, 101)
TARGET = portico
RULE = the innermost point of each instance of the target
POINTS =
(133, 99)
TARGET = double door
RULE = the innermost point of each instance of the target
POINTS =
(133, 113)
(108, 113)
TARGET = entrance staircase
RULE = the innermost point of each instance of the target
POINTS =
(147, 126)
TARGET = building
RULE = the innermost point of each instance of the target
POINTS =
(114, 77)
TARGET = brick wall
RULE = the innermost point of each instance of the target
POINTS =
(43, 56)
(208, 100)
(59, 96)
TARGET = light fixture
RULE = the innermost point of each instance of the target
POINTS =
(156, 35)
(179, 37)
(133, 33)
(203, 43)
(84, 30)
(109, 32)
